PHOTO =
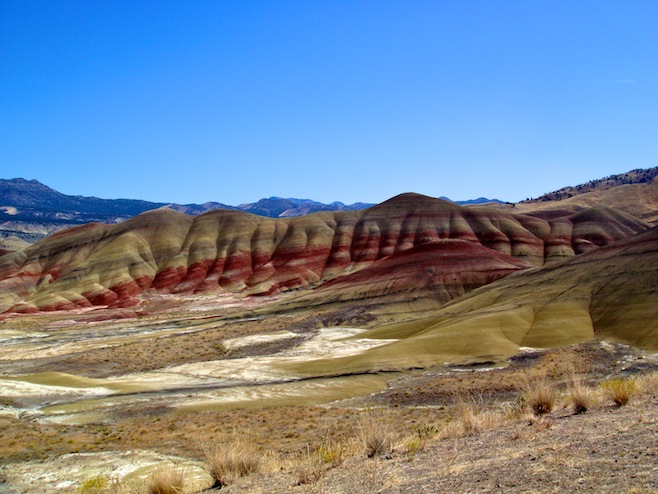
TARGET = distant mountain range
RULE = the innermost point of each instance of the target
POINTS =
(31, 210)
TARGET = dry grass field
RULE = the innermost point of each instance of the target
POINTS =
(70, 422)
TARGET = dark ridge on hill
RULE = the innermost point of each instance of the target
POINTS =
(635, 193)
(637, 176)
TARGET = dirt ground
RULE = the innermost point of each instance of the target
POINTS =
(607, 450)
(314, 446)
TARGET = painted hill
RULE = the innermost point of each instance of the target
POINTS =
(222, 250)
(609, 293)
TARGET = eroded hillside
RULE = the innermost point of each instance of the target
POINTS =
(230, 251)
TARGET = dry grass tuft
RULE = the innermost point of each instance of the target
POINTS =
(375, 435)
(581, 396)
(474, 415)
(315, 463)
(231, 460)
(412, 445)
(309, 469)
(332, 452)
(648, 384)
(540, 396)
(619, 391)
(169, 481)
(474, 419)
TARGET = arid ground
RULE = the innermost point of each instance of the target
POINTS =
(109, 404)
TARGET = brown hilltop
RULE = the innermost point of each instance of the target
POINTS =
(637, 199)
(103, 265)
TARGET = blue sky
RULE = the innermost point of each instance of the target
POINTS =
(232, 101)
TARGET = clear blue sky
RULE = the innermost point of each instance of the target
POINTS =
(232, 101)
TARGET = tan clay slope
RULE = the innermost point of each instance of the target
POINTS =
(12, 244)
(99, 265)
(610, 293)
(638, 200)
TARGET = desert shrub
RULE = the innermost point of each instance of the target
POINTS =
(581, 396)
(233, 459)
(619, 390)
(314, 463)
(540, 396)
(648, 384)
(413, 445)
(94, 485)
(425, 431)
(469, 419)
(376, 435)
(475, 417)
(377, 442)
(331, 453)
(166, 481)
(309, 469)
(102, 485)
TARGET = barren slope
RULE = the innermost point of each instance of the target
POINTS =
(610, 293)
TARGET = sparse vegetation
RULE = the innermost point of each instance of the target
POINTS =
(95, 485)
(636, 176)
(375, 434)
(476, 419)
(540, 396)
(332, 452)
(619, 391)
(581, 396)
(231, 459)
(291, 454)
(647, 384)
(166, 481)
(309, 468)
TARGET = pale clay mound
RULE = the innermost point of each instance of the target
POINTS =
(189, 384)
(66, 473)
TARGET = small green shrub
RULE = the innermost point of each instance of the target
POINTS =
(413, 445)
(425, 431)
(331, 453)
(619, 391)
(94, 485)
